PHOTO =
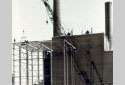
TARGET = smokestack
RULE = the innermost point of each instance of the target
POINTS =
(56, 16)
(108, 23)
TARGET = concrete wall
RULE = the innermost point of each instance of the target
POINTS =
(91, 45)
(108, 67)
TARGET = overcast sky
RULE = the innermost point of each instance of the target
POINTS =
(79, 15)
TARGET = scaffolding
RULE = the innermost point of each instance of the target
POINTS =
(28, 62)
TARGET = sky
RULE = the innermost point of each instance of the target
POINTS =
(79, 15)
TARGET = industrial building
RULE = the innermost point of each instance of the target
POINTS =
(67, 59)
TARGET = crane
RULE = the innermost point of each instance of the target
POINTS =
(50, 14)
(49, 9)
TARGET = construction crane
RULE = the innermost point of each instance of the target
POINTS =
(49, 10)
(50, 14)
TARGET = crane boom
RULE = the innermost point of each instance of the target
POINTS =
(49, 10)
(50, 14)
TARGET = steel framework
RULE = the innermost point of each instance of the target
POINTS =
(28, 62)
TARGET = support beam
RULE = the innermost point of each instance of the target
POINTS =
(13, 76)
(32, 65)
(43, 64)
(27, 66)
(67, 62)
(73, 64)
(38, 64)
(20, 81)
(64, 63)
(71, 68)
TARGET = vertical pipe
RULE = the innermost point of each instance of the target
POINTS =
(56, 17)
(51, 67)
(38, 64)
(27, 67)
(67, 67)
(108, 23)
(72, 64)
(64, 64)
(73, 56)
(32, 65)
(43, 65)
(71, 67)
(20, 65)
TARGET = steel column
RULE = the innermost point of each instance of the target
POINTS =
(64, 63)
(19, 65)
(71, 67)
(38, 64)
(43, 62)
(13, 77)
(67, 67)
(32, 65)
(27, 66)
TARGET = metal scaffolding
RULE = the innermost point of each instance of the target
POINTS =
(28, 62)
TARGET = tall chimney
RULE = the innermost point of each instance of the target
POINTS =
(56, 17)
(108, 23)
